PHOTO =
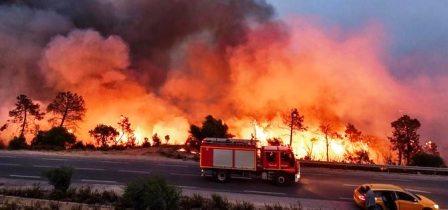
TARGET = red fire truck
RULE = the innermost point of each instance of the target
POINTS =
(223, 158)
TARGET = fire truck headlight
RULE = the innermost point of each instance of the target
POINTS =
(297, 177)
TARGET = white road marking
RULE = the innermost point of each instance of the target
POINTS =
(171, 165)
(351, 185)
(183, 174)
(100, 181)
(9, 164)
(108, 161)
(7, 156)
(133, 171)
(263, 192)
(24, 176)
(91, 169)
(186, 187)
(43, 166)
(345, 198)
(418, 191)
(56, 159)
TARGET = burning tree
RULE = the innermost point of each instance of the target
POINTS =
(104, 134)
(275, 142)
(327, 129)
(431, 148)
(294, 121)
(126, 129)
(359, 157)
(405, 139)
(23, 111)
(68, 107)
(309, 148)
(352, 133)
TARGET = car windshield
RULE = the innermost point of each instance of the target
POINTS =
(415, 195)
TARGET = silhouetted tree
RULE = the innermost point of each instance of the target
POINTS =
(405, 139)
(352, 133)
(23, 111)
(156, 140)
(294, 120)
(275, 142)
(3, 127)
(427, 160)
(68, 107)
(327, 129)
(211, 127)
(431, 148)
(167, 139)
(359, 157)
(146, 143)
(104, 134)
(126, 129)
(57, 138)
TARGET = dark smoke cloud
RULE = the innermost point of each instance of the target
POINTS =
(152, 28)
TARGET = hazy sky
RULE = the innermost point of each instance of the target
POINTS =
(414, 27)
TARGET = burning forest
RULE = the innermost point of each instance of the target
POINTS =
(148, 70)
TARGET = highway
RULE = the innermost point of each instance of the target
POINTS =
(316, 183)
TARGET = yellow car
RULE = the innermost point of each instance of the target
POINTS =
(389, 196)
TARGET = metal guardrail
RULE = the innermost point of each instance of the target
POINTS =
(379, 168)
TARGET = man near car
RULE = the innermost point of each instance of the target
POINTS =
(370, 199)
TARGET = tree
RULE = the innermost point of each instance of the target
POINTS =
(294, 121)
(359, 157)
(327, 129)
(68, 107)
(146, 143)
(104, 134)
(352, 133)
(167, 139)
(126, 129)
(156, 140)
(23, 111)
(309, 148)
(427, 160)
(431, 148)
(211, 127)
(57, 138)
(405, 139)
(275, 142)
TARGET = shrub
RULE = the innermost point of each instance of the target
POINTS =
(244, 205)
(57, 138)
(78, 146)
(220, 203)
(18, 143)
(60, 178)
(426, 159)
(151, 193)
(90, 147)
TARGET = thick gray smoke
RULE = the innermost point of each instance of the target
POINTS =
(152, 28)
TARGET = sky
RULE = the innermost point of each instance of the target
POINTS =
(412, 27)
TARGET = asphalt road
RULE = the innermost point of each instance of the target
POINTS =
(316, 183)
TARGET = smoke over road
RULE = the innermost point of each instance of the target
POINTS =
(168, 63)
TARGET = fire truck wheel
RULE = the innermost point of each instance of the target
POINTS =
(222, 176)
(281, 179)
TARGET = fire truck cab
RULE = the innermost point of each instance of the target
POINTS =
(225, 158)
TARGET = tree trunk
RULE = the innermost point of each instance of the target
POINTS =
(63, 117)
(22, 132)
(326, 140)
(399, 157)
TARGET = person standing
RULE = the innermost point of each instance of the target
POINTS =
(370, 199)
